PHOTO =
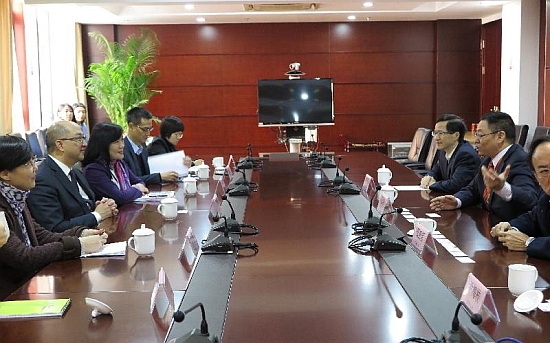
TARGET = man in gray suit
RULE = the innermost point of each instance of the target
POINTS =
(62, 198)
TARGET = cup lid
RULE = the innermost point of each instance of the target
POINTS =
(169, 200)
(383, 169)
(143, 231)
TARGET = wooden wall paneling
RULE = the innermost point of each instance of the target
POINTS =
(382, 36)
(458, 68)
(384, 73)
(389, 67)
(491, 60)
(367, 99)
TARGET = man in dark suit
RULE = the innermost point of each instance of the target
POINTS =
(456, 162)
(505, 185)
(62, 198)
(530, 232)
(140, 125)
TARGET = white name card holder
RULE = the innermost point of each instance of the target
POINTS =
(368, 188)
(189, 251)
(384, 203)
(423, 240)
(230, 167)
(162, 300)
(478, 297)
(215, 207)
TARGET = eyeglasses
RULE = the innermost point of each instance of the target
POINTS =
(31, 163)
(480, 136)
(145, 129)
(178, 135)
(78, 139)
(439, 133)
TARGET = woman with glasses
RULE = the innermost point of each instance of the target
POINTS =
(29, 247)
(104, 168)
(171, 131)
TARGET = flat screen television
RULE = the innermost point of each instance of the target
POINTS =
(303, 102)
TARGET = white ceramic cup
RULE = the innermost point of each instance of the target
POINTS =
(384, 175)
(168, 208)
(189, 185)
(521, 278)
(428, 223)
(142, 241)
(203, 172)
(217, 162)
(391, 192)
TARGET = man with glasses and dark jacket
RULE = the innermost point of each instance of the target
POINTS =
(456, 162)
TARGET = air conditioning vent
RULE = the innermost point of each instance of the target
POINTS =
(281, 7)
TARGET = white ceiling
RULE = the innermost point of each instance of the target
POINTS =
(233, 11)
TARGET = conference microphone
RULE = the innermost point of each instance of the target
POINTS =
(453, 336)
(348, 187)
(241, 188)
(385, 242)
(222, 243)
(372, 222)
(338, 180)
(232, 224)
(195, 336)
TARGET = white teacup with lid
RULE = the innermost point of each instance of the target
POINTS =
(391, 192)
(143, 240)
(189, 185)
(384, 175)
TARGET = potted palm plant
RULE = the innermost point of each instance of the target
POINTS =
(122, 80)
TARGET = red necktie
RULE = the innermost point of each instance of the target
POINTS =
(487, 191)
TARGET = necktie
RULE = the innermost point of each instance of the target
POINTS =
(487, 191)
(72, 174)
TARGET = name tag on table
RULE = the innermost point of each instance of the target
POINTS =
(162, 300)
(423, 239)
(477, 297)
(369, 187)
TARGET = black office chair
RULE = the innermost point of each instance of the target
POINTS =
(539, 132)
(521, 134)
(419, 147)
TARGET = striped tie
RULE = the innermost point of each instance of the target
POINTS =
(487, 191)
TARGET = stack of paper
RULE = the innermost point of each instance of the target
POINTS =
(109, 250)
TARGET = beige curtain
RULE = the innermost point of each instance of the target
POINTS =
(6, 65)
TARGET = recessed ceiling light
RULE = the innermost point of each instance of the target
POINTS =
(200, 19)
(368, 4)
(189, 7)
(351, 17)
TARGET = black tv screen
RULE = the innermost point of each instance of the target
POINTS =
(300, 102)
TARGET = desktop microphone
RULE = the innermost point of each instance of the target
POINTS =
(453, 336)
(232, 224)
(372, 222)
(220, 243)
(383, 241)
(241, 188)
(338, 180)
(195, 336)
(348, 187)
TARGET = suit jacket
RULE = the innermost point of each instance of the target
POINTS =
(160, 145)
(456, 173)
(99, 177)
(56, 203)
(135, 163)
(525, 189)
(18, 263)
(536, 223)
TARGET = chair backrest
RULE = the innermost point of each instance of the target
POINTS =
(41, 135)
(539, 132)
(32, 139)
(430, 157)
(419, 148)
(521, 134)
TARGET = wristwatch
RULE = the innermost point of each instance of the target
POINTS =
(529, 240)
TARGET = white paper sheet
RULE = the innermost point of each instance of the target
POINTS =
(169, 161)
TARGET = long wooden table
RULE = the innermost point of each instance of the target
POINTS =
(303, 285)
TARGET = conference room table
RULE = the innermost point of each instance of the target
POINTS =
(304, 284)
